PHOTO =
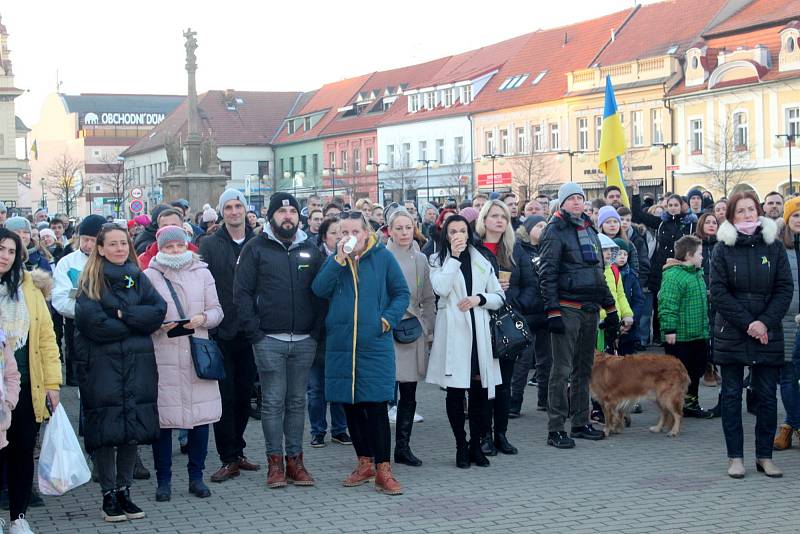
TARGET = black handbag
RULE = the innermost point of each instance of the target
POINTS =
(206, 356)
(510, 333)
(408, 330)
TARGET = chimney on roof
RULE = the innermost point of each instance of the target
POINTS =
(613, 34)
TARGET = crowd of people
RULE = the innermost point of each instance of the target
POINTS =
(343, 310)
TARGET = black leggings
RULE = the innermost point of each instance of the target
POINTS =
(408, 392)
(478, 404)
(368, 423)
(497, 408)
(693, 355)
(18, 455)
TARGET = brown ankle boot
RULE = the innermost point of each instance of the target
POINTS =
(783, 439)
(364, 472)
(296, 472)
(385, 481)
(276, 476)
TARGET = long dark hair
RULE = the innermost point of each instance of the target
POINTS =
(13, 278)
(444, 244)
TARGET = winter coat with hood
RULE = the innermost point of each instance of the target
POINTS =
(411, 359)
(184, 400)
(529, 254)
(365, 296)
(115, 360)
(668, 229)
(682, 302)
(750, 281)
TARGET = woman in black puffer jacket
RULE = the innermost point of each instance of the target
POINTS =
(116, 310)
(751, 284)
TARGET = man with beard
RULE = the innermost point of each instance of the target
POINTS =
(279, 314)
(773, 205)
(613, 196)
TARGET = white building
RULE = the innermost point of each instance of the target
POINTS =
(14, 171)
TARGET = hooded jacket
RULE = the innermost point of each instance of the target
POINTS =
(682, 302)
(65, 277)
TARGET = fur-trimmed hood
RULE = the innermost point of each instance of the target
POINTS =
(42, 280)
(728, 235)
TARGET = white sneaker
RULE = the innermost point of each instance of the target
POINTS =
(393, 414)
(20, 526)
(418, 418)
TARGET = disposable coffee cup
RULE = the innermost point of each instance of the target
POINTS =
(504, 276)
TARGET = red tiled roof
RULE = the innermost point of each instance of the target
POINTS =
(758, 13)
(327, 98)
(253, 123)
(654, 28)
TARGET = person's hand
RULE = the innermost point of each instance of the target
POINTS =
(756, 329)
(55, 397)
(468, 303)
(764, 338)
(166, 327)
(197, 321)
(504, 285)
(634, 185)
(341, 255)
(671, 339)
(458, 245)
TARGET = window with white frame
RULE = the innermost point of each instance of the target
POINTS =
(583, 133)
(390, 155)
(370, 155)
(290, 127)
(489, 143)
(344, 161)
(521, 141)
(306, 124)
(466, 94)
(430, 100)
(637, 128)
(356, 160)
(440, 150)
(458, 149)
(413, 103)
(793, 122)
(696, 133)
(598, 130)
(406, 155)
(656, 125)
(555, 137)
(504, 148)
(538, 138)
(740, 130)
(447, 97)
(423, 150)
(331, 159)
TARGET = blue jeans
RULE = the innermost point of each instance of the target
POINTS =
(316, 401)
(643, 320)
(198, 450)
(283, 368)
(790, 390)
(763, 381)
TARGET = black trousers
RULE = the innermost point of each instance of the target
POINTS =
(368, 423)
(69, 348)
(17, 457)
(693, 355)
(497, 409)
(235, 391)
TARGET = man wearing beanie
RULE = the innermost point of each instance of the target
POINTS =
(279, 314)
(573, 289)
(695, 200)
(221, 250)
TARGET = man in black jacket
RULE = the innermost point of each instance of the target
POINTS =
(573, 289)
(279, 314)
(220, 251)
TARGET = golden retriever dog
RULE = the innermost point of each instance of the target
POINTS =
(618, 381)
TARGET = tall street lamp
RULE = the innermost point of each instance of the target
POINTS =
(675, 150)
(571, 153)
(44, 197)
(428, 163)
(376, 166)
(789, 143)
(333, 172)
(493, 157)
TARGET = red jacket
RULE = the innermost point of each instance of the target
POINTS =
(150, 252)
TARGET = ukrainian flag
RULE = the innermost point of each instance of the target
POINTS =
(612, 144)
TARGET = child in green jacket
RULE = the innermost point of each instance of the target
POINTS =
(683, 314)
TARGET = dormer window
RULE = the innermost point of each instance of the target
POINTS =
(789, 56)
(306, 124)
(791, 42)
(695, 62)
(672, 49)
(290, 127)
(413, 103)
(430, 100)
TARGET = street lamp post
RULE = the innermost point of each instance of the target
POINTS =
(44, 197)
(427, 164)
(493, 157)
(675, 150)
(299, 175)
(790, 138)
(376, 166)
(572, 153)
(333, 172)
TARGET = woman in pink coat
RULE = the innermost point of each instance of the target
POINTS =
(184, 400)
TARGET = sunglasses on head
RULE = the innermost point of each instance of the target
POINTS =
(350, 215)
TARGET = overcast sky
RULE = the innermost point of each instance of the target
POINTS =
(124, 47)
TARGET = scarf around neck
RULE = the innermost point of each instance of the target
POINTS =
(587, 245)
(14, 318)
(747, 228)
(175, 261)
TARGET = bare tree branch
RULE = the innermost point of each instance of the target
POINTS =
(115, 181)
(532, 170)
(65, 182)
(726, 163)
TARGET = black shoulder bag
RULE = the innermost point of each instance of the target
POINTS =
(206, 356)
(510, 333)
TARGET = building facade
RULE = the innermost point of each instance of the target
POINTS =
(14, 168)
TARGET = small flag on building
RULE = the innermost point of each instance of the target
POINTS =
(612, 144)
(34, 150)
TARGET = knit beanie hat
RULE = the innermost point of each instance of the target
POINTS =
(42, 225)
(47, 232)
(17, 223)
(228, 195)
(143, 220)
(532, 221)
(91, 225)
(494, 195)
(469, 213)
(694, 193)
(605, 213)
(209, 215)
(606, 242)
(790, 206)
(168, 234)
(567, 190)
(279, 200)
(622, 244)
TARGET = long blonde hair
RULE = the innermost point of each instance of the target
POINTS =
(505, 248)
(92, 282)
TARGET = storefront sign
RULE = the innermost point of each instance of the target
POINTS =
(499, 178)
(122, 119)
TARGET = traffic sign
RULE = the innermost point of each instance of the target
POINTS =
(137, 192)
(673, 167)
(136, 206)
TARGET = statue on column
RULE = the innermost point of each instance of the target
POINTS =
(191, 46)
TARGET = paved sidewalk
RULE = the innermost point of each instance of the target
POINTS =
(634, 482)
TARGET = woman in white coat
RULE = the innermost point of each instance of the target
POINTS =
(461, 357)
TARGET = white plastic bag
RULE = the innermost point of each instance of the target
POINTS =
(62, 466)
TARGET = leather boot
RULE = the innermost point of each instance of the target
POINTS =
(405, 421)
(462, 455)
(385, 481)
(783, 439)
(502, 444)
(296, 472)
(276, 476)
(364, 472)
(476, 455)
(766, 466)
(456, 417)
(736, 468)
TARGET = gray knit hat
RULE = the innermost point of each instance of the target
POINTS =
(169, 234)
(17, 223)
(567, 190)
(228, 195)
